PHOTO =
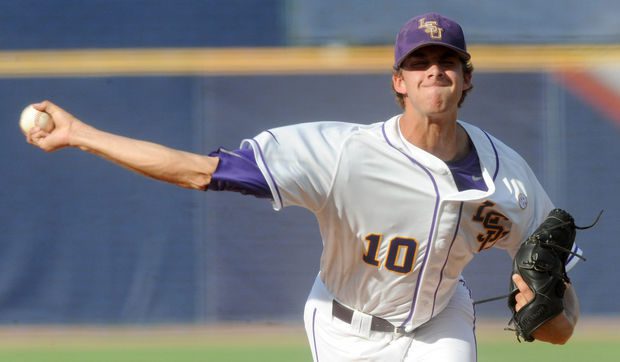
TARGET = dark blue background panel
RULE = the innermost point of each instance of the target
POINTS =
(62, 24)
(84, 241)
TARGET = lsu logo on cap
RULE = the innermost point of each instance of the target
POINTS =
(430, 28)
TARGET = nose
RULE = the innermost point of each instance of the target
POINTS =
(435, 70)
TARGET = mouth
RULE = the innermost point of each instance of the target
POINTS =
(436, 85)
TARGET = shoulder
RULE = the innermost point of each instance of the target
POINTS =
(312, 133)
(325, 127)
(490, 146)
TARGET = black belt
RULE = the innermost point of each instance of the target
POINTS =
(377, 324)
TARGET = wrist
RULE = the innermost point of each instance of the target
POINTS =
(77, 134)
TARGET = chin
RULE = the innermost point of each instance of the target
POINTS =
(437, 109)
(440, 112)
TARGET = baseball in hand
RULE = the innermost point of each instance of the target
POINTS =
(30, 117)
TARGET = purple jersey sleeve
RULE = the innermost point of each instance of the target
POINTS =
(237, 171)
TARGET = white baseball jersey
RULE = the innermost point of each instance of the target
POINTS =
(396, 231)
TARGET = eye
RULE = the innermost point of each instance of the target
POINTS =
(415, 64)
(448, 62)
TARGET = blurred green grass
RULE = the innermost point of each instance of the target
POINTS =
(574, 351)
(488, 352)
(598, 341)
(160, 354)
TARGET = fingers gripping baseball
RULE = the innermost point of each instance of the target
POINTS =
(525, 294)
(58, 136)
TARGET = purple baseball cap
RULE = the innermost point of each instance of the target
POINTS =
(429, 29)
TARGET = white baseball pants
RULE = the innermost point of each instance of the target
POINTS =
(448, 337)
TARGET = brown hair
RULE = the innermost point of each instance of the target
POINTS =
(468, 68)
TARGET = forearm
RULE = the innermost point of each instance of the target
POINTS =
(181, 168)
(559, 329)
(571, 305)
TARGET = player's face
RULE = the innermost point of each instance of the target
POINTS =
(433, 81)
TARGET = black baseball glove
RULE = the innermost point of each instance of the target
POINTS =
(541, 262)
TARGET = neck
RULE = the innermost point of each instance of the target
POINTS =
(439, 136)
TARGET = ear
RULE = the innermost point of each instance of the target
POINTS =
(467, 81)
(399, 83)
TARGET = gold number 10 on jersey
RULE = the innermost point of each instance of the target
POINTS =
(400, 256)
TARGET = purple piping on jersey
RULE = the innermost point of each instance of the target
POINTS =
(570, 258)
(496, 155)
(445, 263)
(260, 151)
(475, 339)
(273, 135)
(430, 234)
(316, 351)
(474, 326)
(571, 255)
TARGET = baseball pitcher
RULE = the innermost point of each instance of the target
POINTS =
(402, 204)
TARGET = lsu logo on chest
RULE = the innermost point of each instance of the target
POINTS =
(494, 225)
